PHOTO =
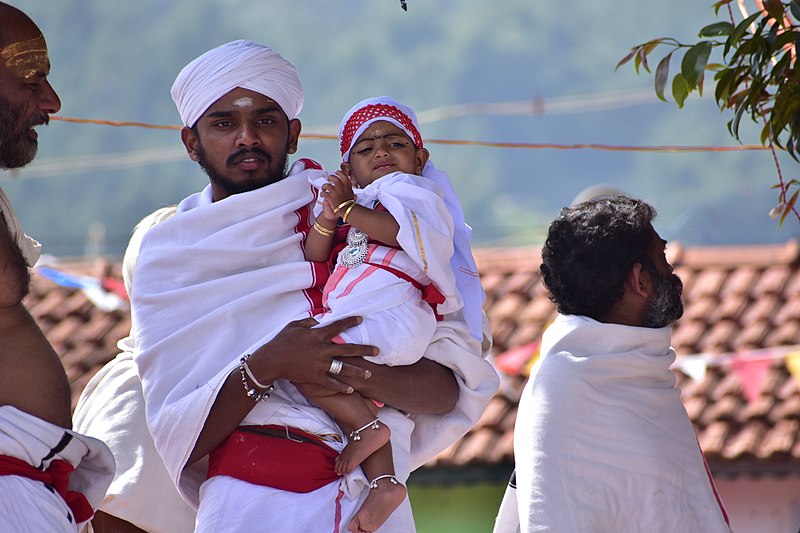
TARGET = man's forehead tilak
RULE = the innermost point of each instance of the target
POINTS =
(27, 59)
(244, 101)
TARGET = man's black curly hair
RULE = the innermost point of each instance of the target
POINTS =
(590, 250)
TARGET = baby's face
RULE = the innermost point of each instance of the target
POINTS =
(383, 148)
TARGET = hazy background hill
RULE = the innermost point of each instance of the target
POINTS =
(117, 61)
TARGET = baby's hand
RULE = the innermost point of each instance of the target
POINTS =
(337, 191)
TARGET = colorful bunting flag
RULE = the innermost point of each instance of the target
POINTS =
(518, 361)
(751, 373)
(793, 364)
(694, 366)
(93, 288)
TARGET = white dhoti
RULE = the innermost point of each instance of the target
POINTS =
(28, 505)
(111, 408)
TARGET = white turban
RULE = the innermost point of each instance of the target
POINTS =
(29, 247)
(244, 64)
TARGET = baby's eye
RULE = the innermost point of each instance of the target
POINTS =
(364, 150)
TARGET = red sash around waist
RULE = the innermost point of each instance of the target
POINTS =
(57, 476)
(275, 456)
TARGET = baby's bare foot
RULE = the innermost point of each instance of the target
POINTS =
(380, 503)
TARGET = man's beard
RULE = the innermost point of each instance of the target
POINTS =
(665, 306)
(254, 181)
(17, 148)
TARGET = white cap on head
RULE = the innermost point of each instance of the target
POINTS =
(371, 110)
(241, 63)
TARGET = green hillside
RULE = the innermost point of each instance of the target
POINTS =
(117, 61)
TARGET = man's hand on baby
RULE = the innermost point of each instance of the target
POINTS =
(301, 353)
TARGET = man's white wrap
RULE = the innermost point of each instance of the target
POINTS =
(38, 443)
(219, 280)
(30, 248)
(111, 408)
(602, 441)
(241, 63)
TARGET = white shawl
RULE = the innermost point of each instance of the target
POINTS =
(602, 440)
(220, 279)
(29, 247)
(426, 227)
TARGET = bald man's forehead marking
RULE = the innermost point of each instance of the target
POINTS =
(27, 59)
(244, 101)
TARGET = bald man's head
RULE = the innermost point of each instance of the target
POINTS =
(14, 24)
(26, 97)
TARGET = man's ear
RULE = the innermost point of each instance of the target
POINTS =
(294, 135)
(639, 281)
(422, 158)
(190, 141)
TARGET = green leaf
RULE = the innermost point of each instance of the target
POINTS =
(772, 36)
(719, 4)
(723, 90)
(733, 126)
(787, 37)
(680, 90)
(775, 10)
(627, 58)
(765, 131)
(739, 31)
(717, 29)
(694, 63)
(788, 208)
(662, 75)
(637, 59)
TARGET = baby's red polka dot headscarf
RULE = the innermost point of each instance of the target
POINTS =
(370, 110)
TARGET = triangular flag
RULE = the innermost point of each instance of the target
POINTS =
(793, 364)
(694, 366)
(751, 374)
(515, 361)
(103, 300)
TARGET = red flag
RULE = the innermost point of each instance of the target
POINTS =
(751, 374)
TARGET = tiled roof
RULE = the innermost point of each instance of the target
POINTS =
(737, 299)
(84, 336)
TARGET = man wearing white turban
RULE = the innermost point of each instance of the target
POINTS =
(214, 289)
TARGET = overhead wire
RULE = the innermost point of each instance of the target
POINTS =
(537, 107)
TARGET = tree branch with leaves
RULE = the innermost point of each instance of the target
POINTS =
(758, 76)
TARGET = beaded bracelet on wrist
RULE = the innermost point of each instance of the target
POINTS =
(252, 393)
